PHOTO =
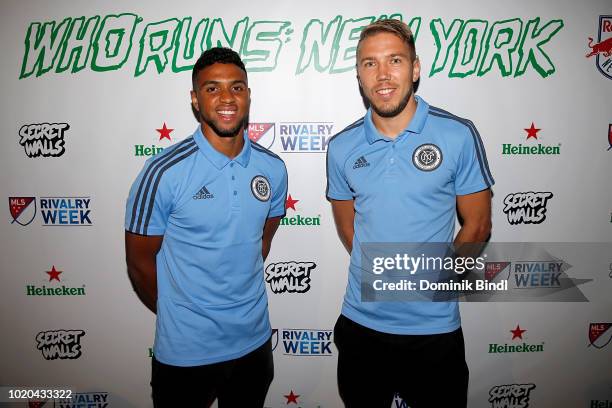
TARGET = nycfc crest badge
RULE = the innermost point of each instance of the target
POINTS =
(260, 187)
(427, 157)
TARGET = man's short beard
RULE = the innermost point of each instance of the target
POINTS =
(390, 113)
(223, 132)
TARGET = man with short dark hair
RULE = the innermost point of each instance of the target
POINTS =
(399, 175)
(199, 223)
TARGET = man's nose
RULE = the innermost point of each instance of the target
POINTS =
(227, 95)
(382, 72)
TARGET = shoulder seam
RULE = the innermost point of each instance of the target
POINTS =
(478, 145)
(353, 125)
(262, 149)
(150, 182)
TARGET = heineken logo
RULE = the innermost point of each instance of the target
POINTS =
(522, 347)
(509, 47)
(152, 150)
(530, 148)
(50, 288)
(297, 219)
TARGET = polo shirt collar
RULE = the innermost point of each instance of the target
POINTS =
(219, 160)
(415, 126)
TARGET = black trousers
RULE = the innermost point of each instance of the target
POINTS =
(428, 371)
(242, 382)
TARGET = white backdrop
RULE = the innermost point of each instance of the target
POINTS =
(113, 74)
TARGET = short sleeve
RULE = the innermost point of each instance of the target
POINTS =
(337, 185)
(473, 172)
(149, 202)
(279, 195)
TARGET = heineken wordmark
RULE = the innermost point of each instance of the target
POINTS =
(537, 150)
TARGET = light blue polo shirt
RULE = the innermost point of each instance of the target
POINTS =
(404, 190)
(212, 304)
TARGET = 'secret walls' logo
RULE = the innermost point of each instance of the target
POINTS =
(43, 139)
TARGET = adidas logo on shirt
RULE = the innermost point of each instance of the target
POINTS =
(203, 194)
(361, 162)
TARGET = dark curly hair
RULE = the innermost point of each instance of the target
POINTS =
(215, 55)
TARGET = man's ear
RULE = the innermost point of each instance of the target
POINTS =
(416, 69)
(194, 101)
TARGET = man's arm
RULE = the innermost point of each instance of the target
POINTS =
(344, 217)
(475, 209)
(269, 230)
(140, 252)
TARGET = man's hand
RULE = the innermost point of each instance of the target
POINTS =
(140, 253)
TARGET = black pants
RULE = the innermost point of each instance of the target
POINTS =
(428, 371)
(242, 382)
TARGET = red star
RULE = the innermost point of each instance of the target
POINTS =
(164, 132)
(54, 274)
(517, 333)
(290, 203)
(292, 398)
(532, 132)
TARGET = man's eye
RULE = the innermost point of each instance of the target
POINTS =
(396, 60)
(368, 64)
(210, 89)
(238, 88)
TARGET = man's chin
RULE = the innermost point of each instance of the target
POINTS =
(387, 111)
(225, 131)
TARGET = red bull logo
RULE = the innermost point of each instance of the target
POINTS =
(602, 49)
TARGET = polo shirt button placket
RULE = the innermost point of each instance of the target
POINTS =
(234, 189)
(391, 167)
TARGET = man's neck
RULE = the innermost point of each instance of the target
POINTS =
(230, 146)
(392, 127)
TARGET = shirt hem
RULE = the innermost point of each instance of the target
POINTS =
(472, 189)
(339, 197)
(150, 232)
(213, 360)
(396, 330)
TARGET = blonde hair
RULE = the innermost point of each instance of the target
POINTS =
(392, 26)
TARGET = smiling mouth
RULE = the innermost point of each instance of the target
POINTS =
(385, 91)
(227, 114)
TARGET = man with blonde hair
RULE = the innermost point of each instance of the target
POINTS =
(399, 175)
